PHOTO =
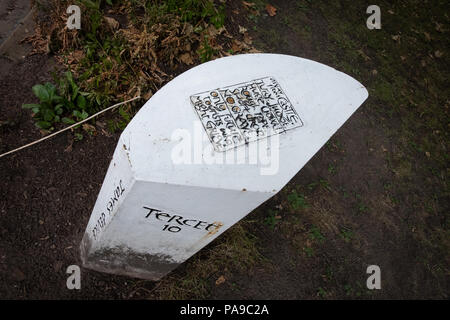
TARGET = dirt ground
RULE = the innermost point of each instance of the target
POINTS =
(371, 196)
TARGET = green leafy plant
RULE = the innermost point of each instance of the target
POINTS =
(50, 108)
(347, 235)
(321, 292)
(309, 251)
(331, 169)
(205, 51)
(362, 207)
(65, 103)
(315, 234)
(78, 136)
(120, 124)
(272, 219)
(75, 102)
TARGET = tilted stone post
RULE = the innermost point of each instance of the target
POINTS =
(207, 149)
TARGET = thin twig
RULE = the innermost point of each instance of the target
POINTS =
(69, 127)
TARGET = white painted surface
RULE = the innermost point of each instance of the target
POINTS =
(219, 194)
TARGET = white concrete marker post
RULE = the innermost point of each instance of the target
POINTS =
(184, 170)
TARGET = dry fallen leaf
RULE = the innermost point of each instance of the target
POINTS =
(105, 133)
(88, 127)
(271, 10)
(212, 31)
(365, 56)
(220, 280)
(395, 38)
(438, 27)
(438, 53)
(75, 56)
(235, 46)
(248, 4)
(112, 23)
(186, 58)
(188, 29)
(148, 95)
(69, 148)
(254, 50)
(242, 29)
(247, 39)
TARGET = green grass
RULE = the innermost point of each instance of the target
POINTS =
(309, 251)
(316, 234)
(236, 251)
(331, 169)
(271, 220)
(408, 99)
(347, 235)
(191, 11)
(297, 201)
(205, 51)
